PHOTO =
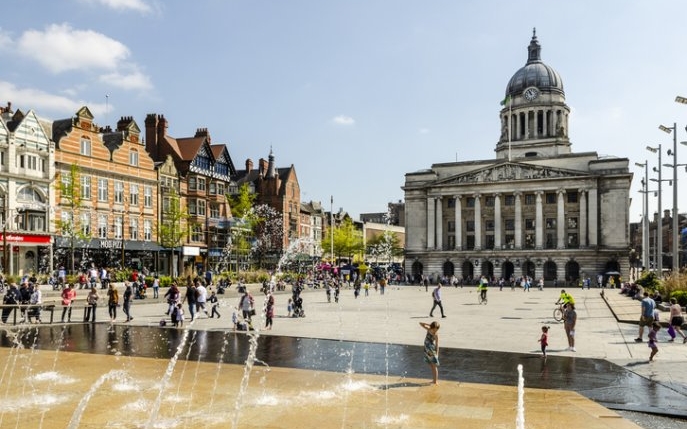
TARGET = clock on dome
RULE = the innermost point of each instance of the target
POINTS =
(530, 93)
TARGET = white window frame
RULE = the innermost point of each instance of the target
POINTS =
(102, 189)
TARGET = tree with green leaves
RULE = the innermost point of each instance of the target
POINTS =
(348, 241)
(242, 203)
(173, 227)
(71, 225)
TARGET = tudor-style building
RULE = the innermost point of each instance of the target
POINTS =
(26, 198)
(106, 193)
(204, 173)
(537, 210)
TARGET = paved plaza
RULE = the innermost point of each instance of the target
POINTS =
(482, 346)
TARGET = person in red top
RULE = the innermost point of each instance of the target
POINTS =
(68, 296)
(544, 340)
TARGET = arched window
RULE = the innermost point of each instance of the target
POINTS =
(29, 195)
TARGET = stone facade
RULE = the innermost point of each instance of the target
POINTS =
(537, 210)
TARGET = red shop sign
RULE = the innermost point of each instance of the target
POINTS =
(28, 239)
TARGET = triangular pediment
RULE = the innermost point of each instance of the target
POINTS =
(510, 171)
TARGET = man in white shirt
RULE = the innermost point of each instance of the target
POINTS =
(436, 296)
(201, 299)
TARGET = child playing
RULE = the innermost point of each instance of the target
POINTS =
(179, 316)
(215, 305)
(234, 318)
(432, 348)
(289, 307)
(652, 340)
(544, 340)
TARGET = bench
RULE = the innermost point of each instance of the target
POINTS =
(8, 310)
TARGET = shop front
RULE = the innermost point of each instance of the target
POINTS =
(113, 254)
(26, 253)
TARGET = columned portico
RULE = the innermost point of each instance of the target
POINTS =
(560, 219)
(478, 222)
(518, 220)
(583, 217)
(539, 221)
(459, 222)
(440, 224)
(431, 216)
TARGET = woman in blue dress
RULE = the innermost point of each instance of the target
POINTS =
(432, 349)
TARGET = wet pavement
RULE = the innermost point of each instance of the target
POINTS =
(599, 380)
(379, 335)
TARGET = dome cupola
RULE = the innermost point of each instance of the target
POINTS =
(535, 73)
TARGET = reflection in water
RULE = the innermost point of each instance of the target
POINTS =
(597, 379)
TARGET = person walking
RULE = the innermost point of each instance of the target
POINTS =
(215, 304)
(128, 296)
(436, 296)
(156, 287)
(269, 312)
(246, 305)
(647, 316)
(201, 298)
(68, 297)
(112, 301)
(35, 301)
(91, 305)
(172, 296)
(676, 321)
(191, 298)
(431, 345)
(569, 322)
(653, 332)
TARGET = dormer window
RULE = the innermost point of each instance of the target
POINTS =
(133, 158)
(85, 147)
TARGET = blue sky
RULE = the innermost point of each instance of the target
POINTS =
(355, 94)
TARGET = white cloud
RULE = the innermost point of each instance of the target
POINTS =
(38, 100)
(423, 131)
(343, 120)
(136, 5)
(60, 48)
(129, 81)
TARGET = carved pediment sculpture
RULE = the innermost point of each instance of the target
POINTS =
(510, 171)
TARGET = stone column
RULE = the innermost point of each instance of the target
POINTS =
(497, 221)
(539, 220)
(593, 218)
(560, 219)
(430, 223)
(459, 222)
(478, 223)
(583, 218)
(440, 223)
(544, 123)
(527, 124)
(518, 220)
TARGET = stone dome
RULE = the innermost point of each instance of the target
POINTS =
(535, 73)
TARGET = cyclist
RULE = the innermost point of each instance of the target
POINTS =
(482, 288)
(564, 299)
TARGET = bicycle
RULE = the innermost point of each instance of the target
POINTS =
(558, 313)
(481, 298)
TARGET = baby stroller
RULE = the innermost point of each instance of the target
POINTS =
(298, 307)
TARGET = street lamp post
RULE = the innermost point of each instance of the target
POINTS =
(674, 235)
(645, 214)
(659, 226)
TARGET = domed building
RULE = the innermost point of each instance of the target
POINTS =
(536, 210)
